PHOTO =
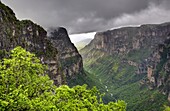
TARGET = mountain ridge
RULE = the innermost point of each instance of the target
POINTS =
(121, 59)
(34, 38)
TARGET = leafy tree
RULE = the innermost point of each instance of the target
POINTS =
(22, 80)
(167, 108)
(25, 86)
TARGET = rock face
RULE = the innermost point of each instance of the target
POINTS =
(122, 41)
(146, 47)
(69, 58)
(56, 52)
(158, 65)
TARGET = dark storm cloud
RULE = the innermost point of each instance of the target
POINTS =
(84, 15)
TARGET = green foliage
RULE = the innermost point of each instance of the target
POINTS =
(138, 55)
(22, 80)
(118, 80)
(115, 67)
(79, 98)
(167, 108)
(24, 86)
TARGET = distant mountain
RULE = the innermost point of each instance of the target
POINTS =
(81, 44)
(131, 64)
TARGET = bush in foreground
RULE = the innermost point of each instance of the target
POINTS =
(25, 86)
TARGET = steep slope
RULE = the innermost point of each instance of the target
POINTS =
(120, 60)
(81, 44)
(64, 61)
(69, 58)
(158, 68)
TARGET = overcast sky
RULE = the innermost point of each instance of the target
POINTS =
(81, 16)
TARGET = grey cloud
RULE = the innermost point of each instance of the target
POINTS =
(157, 12)
(85, 15)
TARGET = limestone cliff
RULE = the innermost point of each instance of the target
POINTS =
(124, 40)
(158, 68)
(144, 48)
(56, 53)
(69, 58)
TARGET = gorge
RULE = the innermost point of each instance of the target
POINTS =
(129, 63)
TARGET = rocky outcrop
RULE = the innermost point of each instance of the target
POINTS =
(124, 40)
(159, 67)
(129, 41)
(146, 48)
(56, 53)
(68, 56)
